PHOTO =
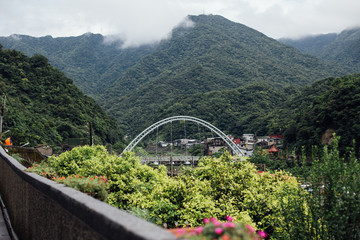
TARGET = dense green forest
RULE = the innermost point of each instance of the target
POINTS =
(248, 109)
(223, 72)
(43, 106)
(328, 106)
(214, 55)
(306, 116)
(91, 60)
(342, 48)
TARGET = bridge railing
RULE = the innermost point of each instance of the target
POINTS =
(42, 209)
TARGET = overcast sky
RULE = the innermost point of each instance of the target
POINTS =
(142, 21)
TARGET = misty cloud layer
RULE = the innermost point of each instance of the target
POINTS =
(139, 21)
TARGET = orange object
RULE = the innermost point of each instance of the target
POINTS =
(8, 141)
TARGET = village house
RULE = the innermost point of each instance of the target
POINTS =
(268, 141)
(163, 144)
(213, 145)
(247, 142)
(186, 143)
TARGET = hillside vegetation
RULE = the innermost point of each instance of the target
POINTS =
(248, 109)
(325, 107)
(210, 54)
(45, 107)
(91, 60)
(223, 72)
(342, 48)
(213, 55)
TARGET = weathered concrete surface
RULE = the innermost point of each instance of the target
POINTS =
(4, 234)
(43, 209)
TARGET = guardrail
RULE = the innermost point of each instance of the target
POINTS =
(31, 155)
(42, 209)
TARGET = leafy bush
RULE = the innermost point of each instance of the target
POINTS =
(85, 161)
(336, 194)
(216, 188)
(330, 208)
(93, 186)
(240, 191)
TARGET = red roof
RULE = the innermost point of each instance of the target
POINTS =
(236, 141)
(273, 149)
(276, 136)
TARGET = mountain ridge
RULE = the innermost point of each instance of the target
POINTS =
(208, 57)
(45, 107)
(89, 59)
(342, 48)
(211, 54)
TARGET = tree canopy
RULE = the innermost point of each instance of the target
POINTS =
(45, 107)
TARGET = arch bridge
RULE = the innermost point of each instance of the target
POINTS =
(234, 148)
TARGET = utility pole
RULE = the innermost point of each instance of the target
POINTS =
(171, 166)
(91, 134)
(2, 112)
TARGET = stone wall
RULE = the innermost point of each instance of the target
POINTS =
(42, 209)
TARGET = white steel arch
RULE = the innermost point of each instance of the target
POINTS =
(235, 149)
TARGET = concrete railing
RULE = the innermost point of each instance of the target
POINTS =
(42, 209)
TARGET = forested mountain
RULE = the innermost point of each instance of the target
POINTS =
(342, 48)
(215, 54)
(90, 60)
(249, 109)
(327, 106)
(215, 69)
(45, 107)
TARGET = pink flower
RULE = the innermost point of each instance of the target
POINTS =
(229, 218)
(262, 234)
(219, 231)
(217, 223)
(229, 225)
(250, 228)
(199, 230)
(181, 231)
(206, 220)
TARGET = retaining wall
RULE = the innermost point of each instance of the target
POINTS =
(42, 209)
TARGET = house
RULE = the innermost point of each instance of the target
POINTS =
(267, 141)
(274, 140)
(213, 145)
(237, 141)
(180, 142)
(262, 141)
(186, 143)
(248, 142)
(163, 144)
(249, 137)
(192, 142)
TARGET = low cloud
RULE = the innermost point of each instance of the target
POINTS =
(16, 37)
(138, 22)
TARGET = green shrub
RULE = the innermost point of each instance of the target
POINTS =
(330, 210)
(218, 187)
(335, 201)
(93, 186)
